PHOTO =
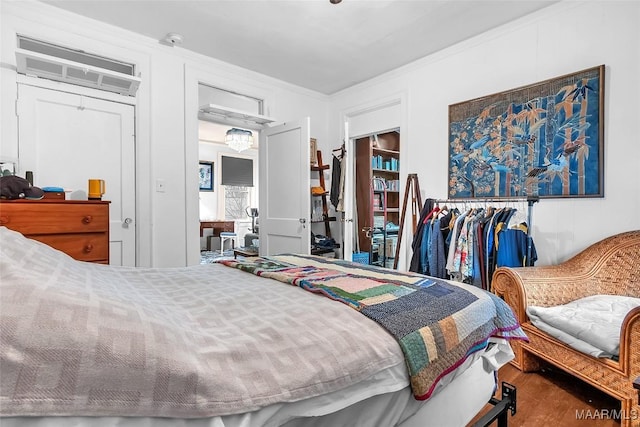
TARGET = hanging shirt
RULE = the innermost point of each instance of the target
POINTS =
(437, 259)
(425, 248)
(417, 237)
(336, 172)
(455, 234)
(478, 259)
(343, 172)
(513, 247)
(462, 249)
(467, 267)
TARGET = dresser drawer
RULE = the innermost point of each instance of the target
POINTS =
(78, 228)
(48, 218)
(81, 246)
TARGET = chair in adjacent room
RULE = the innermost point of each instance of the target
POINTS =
(227, 235)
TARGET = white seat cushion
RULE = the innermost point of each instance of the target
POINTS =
(590, 325)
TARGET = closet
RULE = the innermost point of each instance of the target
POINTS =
(377, 185)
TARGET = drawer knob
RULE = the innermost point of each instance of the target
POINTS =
(87, 219)
(88, 248)
(4, 220)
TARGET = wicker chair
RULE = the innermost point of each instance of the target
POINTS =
(611, 266)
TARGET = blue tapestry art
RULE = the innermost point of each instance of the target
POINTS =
(542, 140)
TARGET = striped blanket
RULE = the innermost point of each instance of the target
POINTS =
(437, 323)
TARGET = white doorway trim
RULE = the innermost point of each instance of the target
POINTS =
(35, 95)
(367, 119)
(193, 77)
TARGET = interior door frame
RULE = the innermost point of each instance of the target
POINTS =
(107, 97)
(194, 76)
(364, 120)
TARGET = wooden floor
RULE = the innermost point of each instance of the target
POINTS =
(554, 398)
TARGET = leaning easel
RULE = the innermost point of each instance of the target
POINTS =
(412, 186)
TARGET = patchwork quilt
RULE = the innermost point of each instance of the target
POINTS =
(437, 323)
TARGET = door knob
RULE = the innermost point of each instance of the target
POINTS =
(126, 222)
(303, 221)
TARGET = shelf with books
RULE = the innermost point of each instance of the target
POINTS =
(377, 191)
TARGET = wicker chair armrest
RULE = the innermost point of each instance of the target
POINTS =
(545, 285)
(630, 346)
(610, 266)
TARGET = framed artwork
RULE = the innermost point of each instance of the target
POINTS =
(543, 140)
(206, 176)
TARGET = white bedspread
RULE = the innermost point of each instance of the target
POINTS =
(89, 339)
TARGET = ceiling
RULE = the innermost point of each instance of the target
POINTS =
(310, 43)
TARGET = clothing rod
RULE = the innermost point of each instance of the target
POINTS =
(530, 199)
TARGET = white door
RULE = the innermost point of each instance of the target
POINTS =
(285, 203)
(67, 139)
(349, 197)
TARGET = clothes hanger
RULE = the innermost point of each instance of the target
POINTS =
(341, 149)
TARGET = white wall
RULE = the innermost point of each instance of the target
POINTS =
(557, 40)
(166, 116)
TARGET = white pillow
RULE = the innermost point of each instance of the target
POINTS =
(594, 320)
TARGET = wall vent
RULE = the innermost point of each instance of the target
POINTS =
(221, 114)
(41, 59)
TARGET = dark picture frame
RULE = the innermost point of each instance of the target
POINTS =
(205, 176)
(544, 140)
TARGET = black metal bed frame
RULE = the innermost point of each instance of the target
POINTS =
(500, 408)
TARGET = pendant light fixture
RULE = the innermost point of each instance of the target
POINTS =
(239, 139)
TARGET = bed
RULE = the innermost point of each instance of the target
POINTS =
(216, 345)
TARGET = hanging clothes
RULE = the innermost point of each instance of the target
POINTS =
(469, 246)
(417, 237)
(462, 248)
(336, 174)
(512, 246)
(425, 244)
(343, 173)
(498, 223)
(452, 269)
(437, 258)
(481, 240)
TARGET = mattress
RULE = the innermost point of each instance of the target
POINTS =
(206, 345)
(383, 400)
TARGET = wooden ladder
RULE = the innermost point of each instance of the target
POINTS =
(320, 167)
(412, 186)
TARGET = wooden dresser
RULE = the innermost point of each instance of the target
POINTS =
(77, 227)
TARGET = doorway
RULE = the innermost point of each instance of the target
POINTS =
(58, 141)
(361, 126)
(198, 105)
(377, 200)
(226, 202)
